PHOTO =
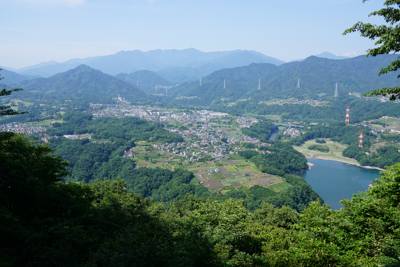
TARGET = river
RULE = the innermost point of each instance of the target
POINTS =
(334, 180)
(273, 135)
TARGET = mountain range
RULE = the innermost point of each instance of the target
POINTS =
(313, 78)
(175, 66)
(156, 60)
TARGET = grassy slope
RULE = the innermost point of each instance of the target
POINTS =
(334, 154)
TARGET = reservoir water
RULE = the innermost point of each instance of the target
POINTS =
(334, 180)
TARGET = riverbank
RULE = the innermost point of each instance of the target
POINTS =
(344, 160)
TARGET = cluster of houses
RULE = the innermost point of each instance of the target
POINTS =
(292, 132)
(310, 102)
(193, 150)
(245, 121)
(17, 128)
(154, 114)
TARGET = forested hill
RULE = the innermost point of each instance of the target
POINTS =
(144, 80)
(317, 76)
(11, 77)
(82, 82)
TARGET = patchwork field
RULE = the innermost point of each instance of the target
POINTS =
(233, 174)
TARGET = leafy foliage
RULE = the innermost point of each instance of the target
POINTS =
(282, 158)
(8, 110)
(319, 148)
(387, 41)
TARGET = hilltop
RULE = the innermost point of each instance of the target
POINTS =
(82, 83)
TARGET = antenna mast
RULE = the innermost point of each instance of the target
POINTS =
(360, 140)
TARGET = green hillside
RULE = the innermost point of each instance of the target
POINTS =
(317, 76)
(81, 83)
(10, 77)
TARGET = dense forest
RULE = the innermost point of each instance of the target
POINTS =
(95, 160)
(261, 130)
(382, 157)
(44, 222)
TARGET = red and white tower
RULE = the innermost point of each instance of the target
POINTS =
(360, 140)
(347, 121)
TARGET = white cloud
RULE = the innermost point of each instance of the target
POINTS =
(350, 54)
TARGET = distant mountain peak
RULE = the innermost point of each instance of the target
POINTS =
(330, 56)
(82, 67)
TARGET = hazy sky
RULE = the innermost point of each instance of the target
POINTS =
(34, 31)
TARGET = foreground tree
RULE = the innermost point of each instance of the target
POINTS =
(388, 41)
(7, 109)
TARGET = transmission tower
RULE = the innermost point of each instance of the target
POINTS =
(336, 92)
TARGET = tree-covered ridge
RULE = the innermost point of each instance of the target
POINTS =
(334, 110)
(384, 156)
(80, 83)
(261, 130)
(48, 223)
(317, 76)
(131, 128)
(112, 129)
(95, 160)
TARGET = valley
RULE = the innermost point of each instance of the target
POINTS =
(221, 142)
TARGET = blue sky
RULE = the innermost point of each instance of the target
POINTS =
(34, 31)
